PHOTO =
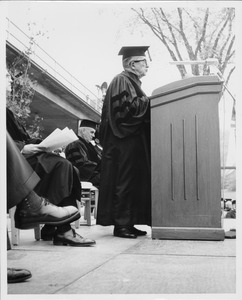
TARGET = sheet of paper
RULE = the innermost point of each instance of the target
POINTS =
(59, 138)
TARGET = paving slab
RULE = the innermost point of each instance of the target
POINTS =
(54, 267)
(124, 266)
(225, 248)
(159, 274)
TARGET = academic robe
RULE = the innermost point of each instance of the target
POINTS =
(125, 185)
(58, 179)
(86, 159)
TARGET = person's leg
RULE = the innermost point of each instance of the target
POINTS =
(21, 179)
(65, 235)
(107, 186)
(66, 202)
(126, 182)
(128, 203)
(31, 209)
(60, 183)
(48, 231)
(59, 179)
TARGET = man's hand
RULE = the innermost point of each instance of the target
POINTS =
(32, 149)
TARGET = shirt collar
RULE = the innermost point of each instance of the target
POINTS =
(133, 76)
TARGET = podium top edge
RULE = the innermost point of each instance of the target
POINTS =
(186, 83)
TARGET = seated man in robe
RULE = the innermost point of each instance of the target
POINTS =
(59, 182)
(84, 154)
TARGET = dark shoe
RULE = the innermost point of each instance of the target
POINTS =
(124, 232)
(71, 238)
(231, 234)
(47, 232)
(18, 275)
(137, 231)
(29, 215)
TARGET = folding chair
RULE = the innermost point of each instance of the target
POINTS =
(89, 199)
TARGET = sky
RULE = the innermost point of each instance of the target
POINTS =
(85, 39)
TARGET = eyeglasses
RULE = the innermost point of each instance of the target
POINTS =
(143, 60)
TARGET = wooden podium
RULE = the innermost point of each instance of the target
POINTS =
(185, 160)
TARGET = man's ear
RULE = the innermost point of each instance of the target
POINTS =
(132, 65)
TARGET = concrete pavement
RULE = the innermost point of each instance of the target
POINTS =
(116, 266)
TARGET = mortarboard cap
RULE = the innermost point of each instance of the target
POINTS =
(129, 51)
(88, 123)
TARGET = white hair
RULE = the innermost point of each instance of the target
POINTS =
(84, 132)
(127, 61)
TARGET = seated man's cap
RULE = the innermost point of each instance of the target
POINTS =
(89, 123)
(129, 51)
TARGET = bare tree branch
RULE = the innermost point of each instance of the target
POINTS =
(143, 18)
(195, 69)
(159, 33)
(214, 48)
(202, 38)
(174, 41)
(225, 88)
(228, 55)
(229, 75)
(196, 37)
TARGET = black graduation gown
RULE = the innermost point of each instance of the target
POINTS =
(86, 159)
(125, 185)
(59, 180)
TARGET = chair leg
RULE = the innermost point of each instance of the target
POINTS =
(14, 230)
(89, 193)
(85, 211)
(37, 233)
(96, 203)
(87, 198)
(88, 212)
(8, 242)
(77, 222)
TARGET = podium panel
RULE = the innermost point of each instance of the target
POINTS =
(185, 160)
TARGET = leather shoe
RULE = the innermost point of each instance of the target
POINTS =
(28, 216)
(18, 275)
(71, 238)
(137, 231)
(124, 232)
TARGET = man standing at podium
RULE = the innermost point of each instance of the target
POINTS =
(125, 192)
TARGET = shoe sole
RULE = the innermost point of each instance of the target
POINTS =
(47, 238)
(30, 225)
(140, 234)
(73, 245)
(19, 279)
(125, 237)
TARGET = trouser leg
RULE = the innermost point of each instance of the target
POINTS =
(66, 227)
(21, 179)
(126, 183)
